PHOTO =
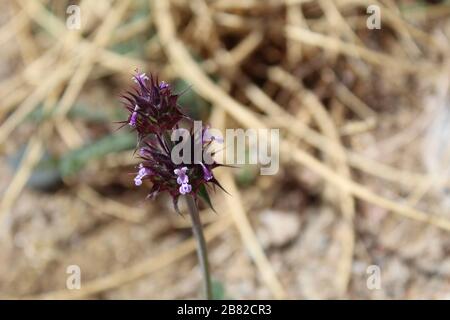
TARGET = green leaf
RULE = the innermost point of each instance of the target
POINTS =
(246, 176)
(75, 160)
(82, 111)
(418, 5)
(218, 290)
(203, 193)
(89, 113)
(45, 175)
(190, 101)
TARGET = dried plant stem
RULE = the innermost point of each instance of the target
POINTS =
(202, 251)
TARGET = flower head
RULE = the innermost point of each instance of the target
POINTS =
(158, 167)
(152, 107)
(154, 113)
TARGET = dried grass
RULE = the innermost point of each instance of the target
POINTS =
(310, 68)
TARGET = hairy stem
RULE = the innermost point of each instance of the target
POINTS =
(202, 251)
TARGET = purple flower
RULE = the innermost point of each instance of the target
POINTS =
(134, 116)
(152, 107)
(143, 172)
(163, 85)
(182, 176)
(166, 175)
(207, 174)
(185, 188)
(139, 77)
(154, 112)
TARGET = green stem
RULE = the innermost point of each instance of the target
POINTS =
(202, 251)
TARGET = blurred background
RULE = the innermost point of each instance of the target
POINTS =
(360, 207)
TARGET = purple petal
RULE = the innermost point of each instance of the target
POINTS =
(139, 77)
(182, 179)
(133, 119)
(182, 176)
(185, 188)
(137, 181)
(163, 85)
(207, 174)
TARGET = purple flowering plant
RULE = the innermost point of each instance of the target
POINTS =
(154, 113)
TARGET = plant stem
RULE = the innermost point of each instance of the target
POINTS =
(202, 251)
